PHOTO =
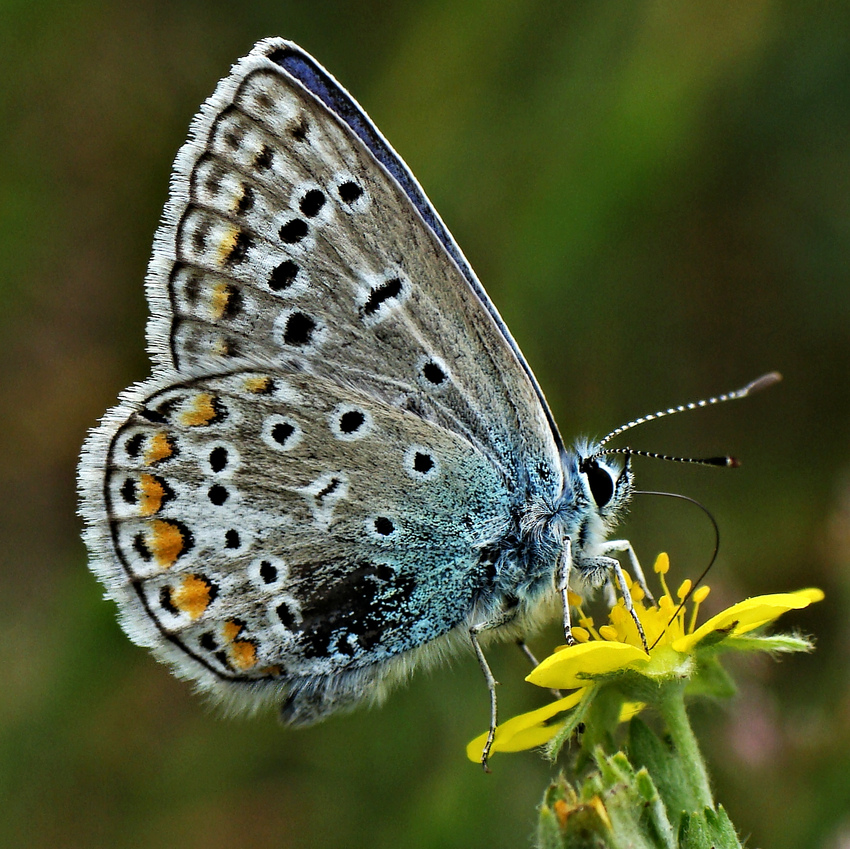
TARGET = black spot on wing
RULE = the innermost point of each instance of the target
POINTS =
(422, 463)
(349, 192)
(134, 444)
(351, 421)
(312, 203)
(263, 159)
(218, 494)
(387, 291)
(218, 458)
(294, 231)
(299, 329)
(283, 275)
(239, 250)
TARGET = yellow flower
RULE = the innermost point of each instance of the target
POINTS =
(614, 648)
(526, 731)
(749, 615)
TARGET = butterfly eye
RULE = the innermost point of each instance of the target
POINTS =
(600, 482)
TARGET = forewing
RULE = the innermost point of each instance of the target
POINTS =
(294, 236)
(267, 528)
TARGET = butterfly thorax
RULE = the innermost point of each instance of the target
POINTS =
(576, 523)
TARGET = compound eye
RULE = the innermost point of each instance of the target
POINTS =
(600, 482)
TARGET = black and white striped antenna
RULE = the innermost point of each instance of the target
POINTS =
(753, 386)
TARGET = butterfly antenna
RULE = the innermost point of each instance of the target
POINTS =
(753, 386)
(727, 461)
(705, 571)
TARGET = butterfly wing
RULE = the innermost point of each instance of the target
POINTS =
(340, 436)
(274, 533)
(294, 235)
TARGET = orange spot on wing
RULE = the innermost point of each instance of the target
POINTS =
(258, 385)
(159, 448)
(231, 630)
(221, 347)
(166, 542)
(202, 411)
(221, 295)
(193, 596)
(227, 245)
(243, 654)
(151, 495)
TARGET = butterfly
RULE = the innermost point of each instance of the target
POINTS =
(341, 464)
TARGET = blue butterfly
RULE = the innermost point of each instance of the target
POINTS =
(341, 464)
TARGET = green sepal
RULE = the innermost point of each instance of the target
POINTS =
(574, 719)
(567, 822)
(716, 637)
(772, 643)
(711, 679)
(603, 714)
(616, 807)
(633, 804)
(709, 829)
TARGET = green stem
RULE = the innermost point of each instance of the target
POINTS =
(672, 706)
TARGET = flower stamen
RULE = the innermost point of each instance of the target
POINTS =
(699, 596)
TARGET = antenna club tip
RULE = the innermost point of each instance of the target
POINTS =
(763, 382)
(726, 462)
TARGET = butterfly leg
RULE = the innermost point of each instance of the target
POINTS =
(617, 569)
(618, 546)
(597, 570)
(563, 577)
(523, 647)
(503, 618)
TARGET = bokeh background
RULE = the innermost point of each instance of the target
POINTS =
(657, 197)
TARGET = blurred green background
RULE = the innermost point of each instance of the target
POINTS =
(657, 197)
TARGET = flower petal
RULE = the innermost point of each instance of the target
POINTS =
(573, 666)
(750, 614)
(525, 731)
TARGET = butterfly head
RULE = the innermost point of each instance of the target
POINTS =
(608, 485)
(595, 496)
(599, 489)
